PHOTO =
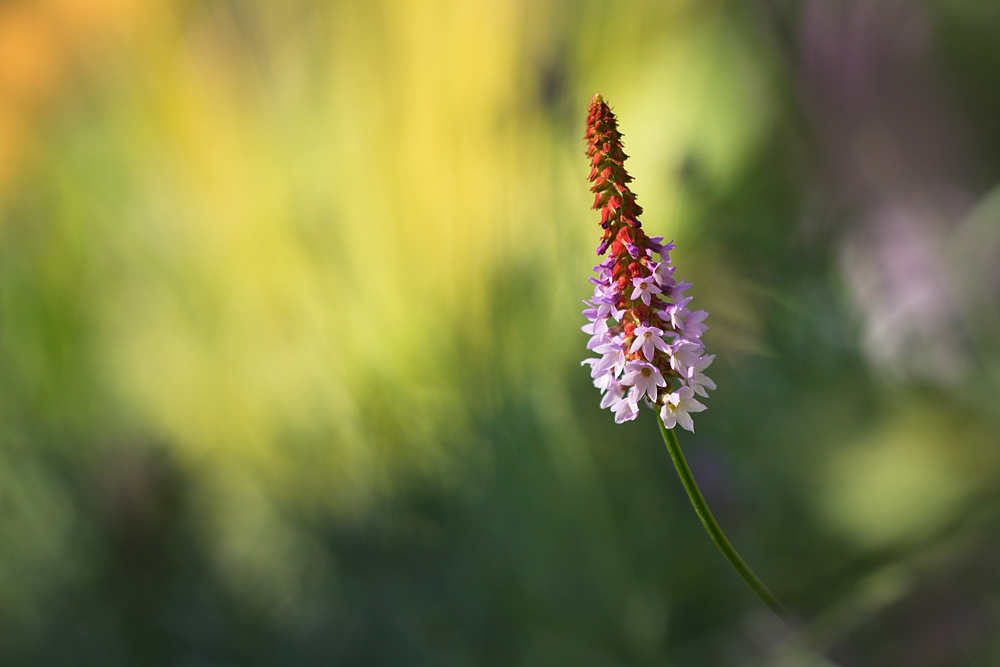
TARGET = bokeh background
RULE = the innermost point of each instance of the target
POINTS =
(289, 332)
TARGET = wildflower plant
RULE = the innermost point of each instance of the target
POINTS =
(639, 322)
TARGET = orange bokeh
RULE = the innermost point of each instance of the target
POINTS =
(41, 43)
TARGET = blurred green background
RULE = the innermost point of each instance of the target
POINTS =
(289, 332)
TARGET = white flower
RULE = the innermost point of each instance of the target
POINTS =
(604, 381)
(677, 407)
(602, 376)
(625, 409)
(616, 390)
(683, 355)
(644, 377)
(614, 356)
(697, 380)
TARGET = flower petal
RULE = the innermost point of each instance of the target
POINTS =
(668, 417)
(684, 419)
(694, 405)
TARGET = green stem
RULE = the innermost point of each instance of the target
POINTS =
(701, 508)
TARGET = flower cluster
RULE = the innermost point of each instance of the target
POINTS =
(648, 339)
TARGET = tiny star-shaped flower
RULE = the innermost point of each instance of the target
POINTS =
(697, 380)
(676, 312)
(692, 326)
(615, 393)
(677, 409)
(645, 288)
(626, 409)
(663, 272)
(649, 339)
(683, 355)
(644, 377)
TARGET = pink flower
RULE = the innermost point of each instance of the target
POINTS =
(692, 326)
(649, 338)
(676, 312)
(644, 289)
(663, 272)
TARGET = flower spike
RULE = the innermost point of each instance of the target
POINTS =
(637, 301)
